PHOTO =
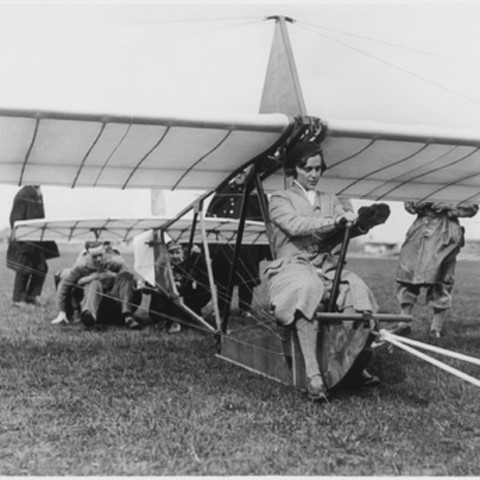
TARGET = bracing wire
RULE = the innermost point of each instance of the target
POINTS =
(391, 44)
(258, 321)
(183, 35)
(260, 318)
(193, 20)
(397, 67)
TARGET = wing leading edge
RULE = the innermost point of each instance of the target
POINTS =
(365, 160)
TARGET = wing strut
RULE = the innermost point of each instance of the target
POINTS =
(92, 146)
(264, 209)
(27, 156)
(236, 254)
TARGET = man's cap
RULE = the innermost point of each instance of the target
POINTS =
(94, 248)
(173, 246)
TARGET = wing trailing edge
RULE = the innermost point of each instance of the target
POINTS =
(376, 161)
(173, 152)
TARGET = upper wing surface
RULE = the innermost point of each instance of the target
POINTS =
(388, 162)
(113, 229)
(81, 150)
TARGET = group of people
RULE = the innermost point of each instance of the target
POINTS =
(307, 229)
(99, 289)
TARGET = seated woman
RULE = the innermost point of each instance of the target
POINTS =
(307, 225)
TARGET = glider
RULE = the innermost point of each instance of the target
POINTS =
(364, 160)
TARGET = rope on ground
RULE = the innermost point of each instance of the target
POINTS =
(433, 348)
(401, 342)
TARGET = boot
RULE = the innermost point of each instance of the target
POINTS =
(307, 333)
(437, 322)
(404, 328)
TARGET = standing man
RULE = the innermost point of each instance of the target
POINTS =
(227, 203)
(29, 259)
(428, 258)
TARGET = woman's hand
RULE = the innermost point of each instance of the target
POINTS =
(346, 218)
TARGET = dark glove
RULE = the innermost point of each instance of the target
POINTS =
(372, 215)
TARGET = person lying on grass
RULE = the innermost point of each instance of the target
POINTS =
(102, 286)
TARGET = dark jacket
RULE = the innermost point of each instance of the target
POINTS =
(28, 205)
(191, 277)
(227, 203)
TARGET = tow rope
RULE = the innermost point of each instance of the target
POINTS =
(403, 343)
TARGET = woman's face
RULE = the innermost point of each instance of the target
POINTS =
(309, 175)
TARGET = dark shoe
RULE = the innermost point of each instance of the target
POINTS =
(316, 389)
(131, 323)
(76, 316)
(38, 302)
(366, 379)
(87, 319)
(435, 333)
(402, 330)
(23, 305)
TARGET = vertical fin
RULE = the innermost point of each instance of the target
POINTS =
(281, 91)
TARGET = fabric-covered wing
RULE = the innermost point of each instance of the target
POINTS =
(388, 162)
(218, 230)
(81, 230)
(80, 150)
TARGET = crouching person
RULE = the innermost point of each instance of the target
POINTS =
(103, 287)
(307, 225)
(191, 283)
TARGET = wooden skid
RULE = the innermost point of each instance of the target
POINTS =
(279, 357)
(264, 355)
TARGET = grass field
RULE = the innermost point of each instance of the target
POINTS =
(119, 402)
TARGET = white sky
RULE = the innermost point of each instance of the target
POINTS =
(396, 62)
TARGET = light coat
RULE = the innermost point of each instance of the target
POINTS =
(305, 240)
(428, 255)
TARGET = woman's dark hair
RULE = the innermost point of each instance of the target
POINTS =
(299, 155)
(92, 244)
